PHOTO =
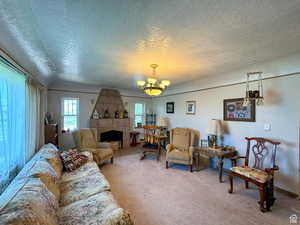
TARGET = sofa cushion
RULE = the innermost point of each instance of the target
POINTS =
(32, 204)
(99, 209)
(82, 188)
(88, 169)
(41, 169)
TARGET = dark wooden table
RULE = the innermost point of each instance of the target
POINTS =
(219, 153)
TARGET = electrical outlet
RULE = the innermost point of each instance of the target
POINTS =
(267, 127)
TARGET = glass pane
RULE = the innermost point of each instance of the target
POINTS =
(139, 109)
(70, 107)
(70, 122)
(139, 119)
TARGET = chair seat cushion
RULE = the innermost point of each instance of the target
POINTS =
(255, 174)
(150, 146)
(177, 154)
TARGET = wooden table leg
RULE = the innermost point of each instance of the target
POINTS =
(220, 164)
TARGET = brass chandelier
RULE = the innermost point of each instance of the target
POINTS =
(152, 86)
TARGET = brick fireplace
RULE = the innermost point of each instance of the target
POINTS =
(111, 129)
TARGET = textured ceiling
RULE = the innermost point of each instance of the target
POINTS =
(113, 42)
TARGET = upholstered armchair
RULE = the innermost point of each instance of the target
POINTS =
(86, 140)
(181, 147)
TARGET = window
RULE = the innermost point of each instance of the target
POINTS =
(12, 124)
(70, 113)
(139, 113)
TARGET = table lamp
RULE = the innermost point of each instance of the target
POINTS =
(214, 131)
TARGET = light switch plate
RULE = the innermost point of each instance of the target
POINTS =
(267, 127)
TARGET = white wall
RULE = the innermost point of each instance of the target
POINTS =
(86, 107)
(281, 110)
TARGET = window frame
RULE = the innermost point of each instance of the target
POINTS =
(142, 115)
(63, 112)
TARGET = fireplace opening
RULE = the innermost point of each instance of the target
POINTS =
(111, 136)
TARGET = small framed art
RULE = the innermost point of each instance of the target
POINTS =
(190, 107)
(170, 107)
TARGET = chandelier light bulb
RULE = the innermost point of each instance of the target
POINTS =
(141, 83)
(151, 80)
(166, 82)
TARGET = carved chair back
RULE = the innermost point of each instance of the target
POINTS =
(150, 133)
(261, 148)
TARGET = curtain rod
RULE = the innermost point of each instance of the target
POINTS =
(12, 63)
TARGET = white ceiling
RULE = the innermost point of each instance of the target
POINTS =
(112, 42)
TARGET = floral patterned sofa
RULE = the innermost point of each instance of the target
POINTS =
(43, 194)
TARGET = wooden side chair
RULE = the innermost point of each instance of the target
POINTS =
(259, 175)
(151, 141)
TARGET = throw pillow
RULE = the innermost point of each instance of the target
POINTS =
(73, 159)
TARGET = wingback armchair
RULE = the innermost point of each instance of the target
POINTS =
(86, 140)
(181, 147)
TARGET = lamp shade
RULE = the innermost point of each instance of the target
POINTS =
(163, 122)
(215, 127)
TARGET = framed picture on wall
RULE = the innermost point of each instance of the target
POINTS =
(235, 111)
(170, 107)
(190, 107)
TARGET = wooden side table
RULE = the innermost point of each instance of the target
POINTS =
(134, 136)
(211, 152)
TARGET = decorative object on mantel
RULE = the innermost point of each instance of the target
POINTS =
(215, 132)
(96, 115)
(235, 111)
(256, 94)
(125, 114)
(117, 115)
(152, 87)
(106, 114)
(170, 108)
(190, 107)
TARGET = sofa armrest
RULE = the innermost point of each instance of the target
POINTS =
(103, 145)
(89, 155)
(169, 147)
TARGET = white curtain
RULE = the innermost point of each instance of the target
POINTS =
(33, 118)
(12, 124)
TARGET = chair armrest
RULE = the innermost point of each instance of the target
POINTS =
(169, 147)
(235, 158)
(271, 170)
(191, 150)
(103, 145)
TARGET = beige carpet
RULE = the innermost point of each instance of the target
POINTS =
(156, 196)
